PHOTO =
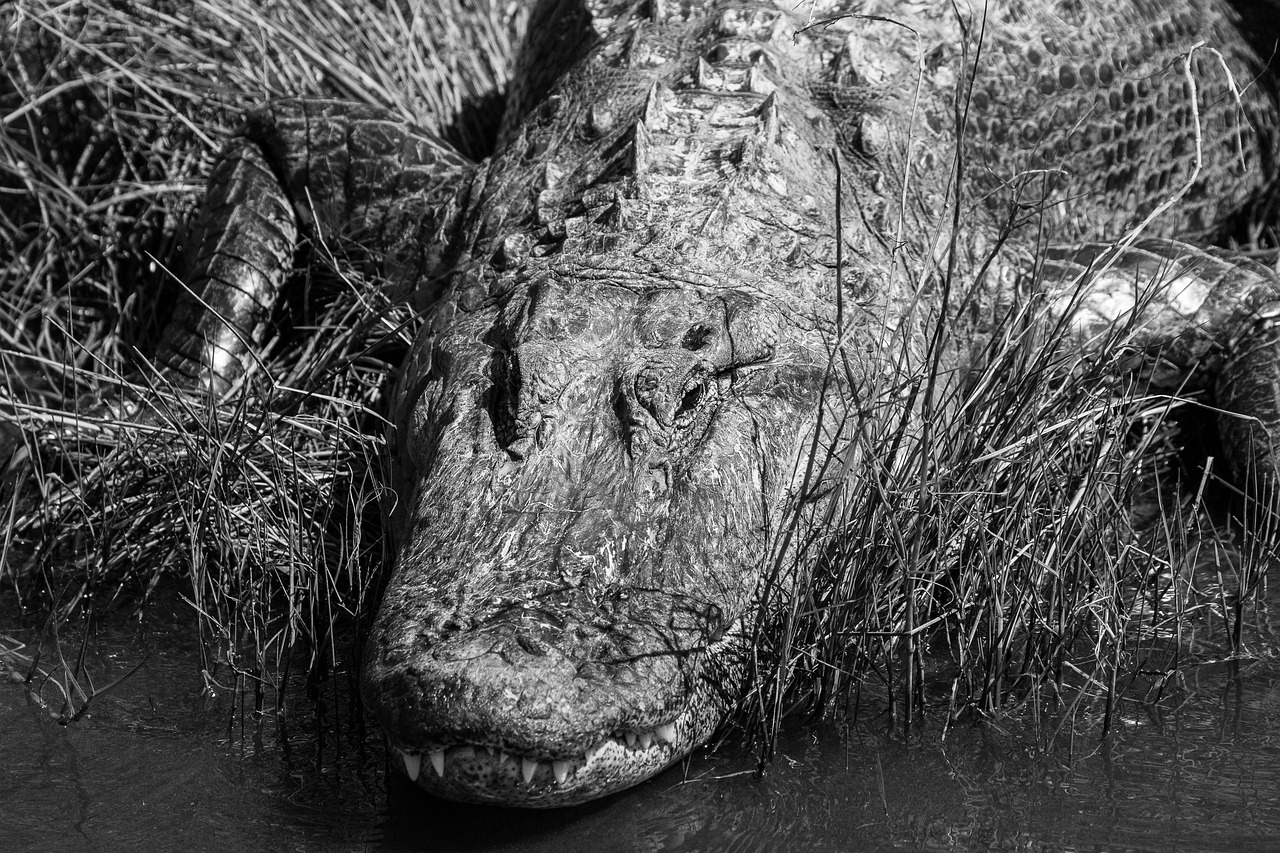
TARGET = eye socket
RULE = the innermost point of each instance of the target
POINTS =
(504, 396)
(691, 399)
(695, 397)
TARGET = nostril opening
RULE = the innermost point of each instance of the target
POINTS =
(718, 53)
(696, 338)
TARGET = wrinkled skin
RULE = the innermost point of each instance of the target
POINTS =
(634, 307)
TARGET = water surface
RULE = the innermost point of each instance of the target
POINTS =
(160, 763)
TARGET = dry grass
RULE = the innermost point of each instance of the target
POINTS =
(268, 509)
(1034, 537)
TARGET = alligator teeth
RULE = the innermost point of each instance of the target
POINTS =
(412, 765)
(600, 120)
(757, 82)
(560, 768)
(437, 761)
(705, 77)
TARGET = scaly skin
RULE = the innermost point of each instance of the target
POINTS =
(633, 306)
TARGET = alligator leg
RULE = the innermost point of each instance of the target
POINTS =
(1204, 319)
(246, 235)
(341, 173)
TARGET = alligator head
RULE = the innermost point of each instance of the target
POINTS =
(596, 471)
(607, 418)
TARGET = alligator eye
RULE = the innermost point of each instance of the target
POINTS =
(695, 394)
(691, 399)
(504, 371)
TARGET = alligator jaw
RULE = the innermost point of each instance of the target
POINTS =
(550, 703)
(486, 773)
(565, 697)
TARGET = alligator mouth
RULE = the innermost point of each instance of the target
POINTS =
(499, 715)
(487, 773)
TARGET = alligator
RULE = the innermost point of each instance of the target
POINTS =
(711, 237)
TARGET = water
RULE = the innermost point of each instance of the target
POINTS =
(160, 764)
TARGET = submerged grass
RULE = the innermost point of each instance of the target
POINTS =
(992, 556)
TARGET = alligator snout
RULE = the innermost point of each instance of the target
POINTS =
(548, 702)
(524, 683)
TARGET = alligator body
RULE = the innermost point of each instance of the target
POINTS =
(633, 308)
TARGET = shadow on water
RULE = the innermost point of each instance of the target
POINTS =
(160, 764)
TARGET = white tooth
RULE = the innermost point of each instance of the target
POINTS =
(561, 769)
(646, 738)
(488, 750)
(667, 733)
(528, 768)
(502, 757)
(412, 765)
(437, 761)
(631, 738)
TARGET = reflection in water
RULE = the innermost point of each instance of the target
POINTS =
(159, 765)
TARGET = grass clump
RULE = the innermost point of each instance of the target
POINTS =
(268, 509)
(1043, 534)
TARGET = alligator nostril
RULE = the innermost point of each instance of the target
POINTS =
(696, 337)
(718, 53)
